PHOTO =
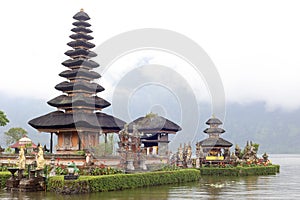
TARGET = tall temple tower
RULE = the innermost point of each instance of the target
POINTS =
(78, 122)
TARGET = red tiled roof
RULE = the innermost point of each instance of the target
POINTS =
(18, 145)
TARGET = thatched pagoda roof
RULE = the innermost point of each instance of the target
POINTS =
(81, 36)
(80, 52)
(154, 123)
(58, 119)
(81, 16)
(215, 142)
(214, 120)
(79, 73)
(80, 62)
(81, 24)
(214, 130)
(78, 100)
(80, 43)
(81, 29)
(79, 85)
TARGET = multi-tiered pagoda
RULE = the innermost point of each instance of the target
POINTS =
(214, 145)
(78, 122)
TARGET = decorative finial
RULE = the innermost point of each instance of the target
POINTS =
(213, 115)
(81, 10)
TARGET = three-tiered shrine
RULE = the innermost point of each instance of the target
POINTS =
(214, 144)
(78, 122)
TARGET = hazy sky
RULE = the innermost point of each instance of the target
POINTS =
(255, 45)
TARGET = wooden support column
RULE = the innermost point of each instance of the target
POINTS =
(51, 142)
(79, 142)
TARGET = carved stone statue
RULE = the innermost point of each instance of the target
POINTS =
(226, 154)
(180, 153)
(88, 159)
(189, 153)
(237, 151)
(22, 159)
(234, 159)
(40, 161)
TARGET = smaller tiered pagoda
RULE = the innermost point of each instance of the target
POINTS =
(215, 147)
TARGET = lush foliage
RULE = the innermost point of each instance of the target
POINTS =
(81, 153)
(14, 134)
(240, 170)
(102, 170)
(3, 119)
(61, 170)
(168, 167)
(120, 181)
(3, 177)
(3, 168)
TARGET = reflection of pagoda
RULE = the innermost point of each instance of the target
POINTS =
(213, 145)
(79, 107)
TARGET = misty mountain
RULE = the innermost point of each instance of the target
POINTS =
(276, 131)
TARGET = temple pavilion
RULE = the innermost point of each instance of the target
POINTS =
(215, 147)
(154, 130)
(78, 121)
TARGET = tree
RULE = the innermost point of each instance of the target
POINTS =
(3, 119)
(14, 134)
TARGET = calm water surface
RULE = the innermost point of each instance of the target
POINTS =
(285, 185)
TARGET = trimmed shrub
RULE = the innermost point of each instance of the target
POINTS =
(120, 181)
(240, 171)
(3, 178)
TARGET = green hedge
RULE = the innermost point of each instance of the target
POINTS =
(120, 181)
(3, 177)
(240, 171)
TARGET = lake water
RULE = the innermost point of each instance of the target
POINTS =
(285, 185)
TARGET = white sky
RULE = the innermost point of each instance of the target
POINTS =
(255, 45)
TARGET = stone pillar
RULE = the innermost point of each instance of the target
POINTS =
(154, 150)
(143, 164)
(162, 149)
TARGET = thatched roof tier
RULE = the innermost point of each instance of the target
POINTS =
(79, 86)
(81, 36)
(63, 101)
(81, 29)
(214, 130)
(154, 123)
(81, 43)
(73, 63)
(214, 120)
(81, 16)
(81, 24)
(60, 120)
(215, 142)
(79, 73)
(80, 52)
